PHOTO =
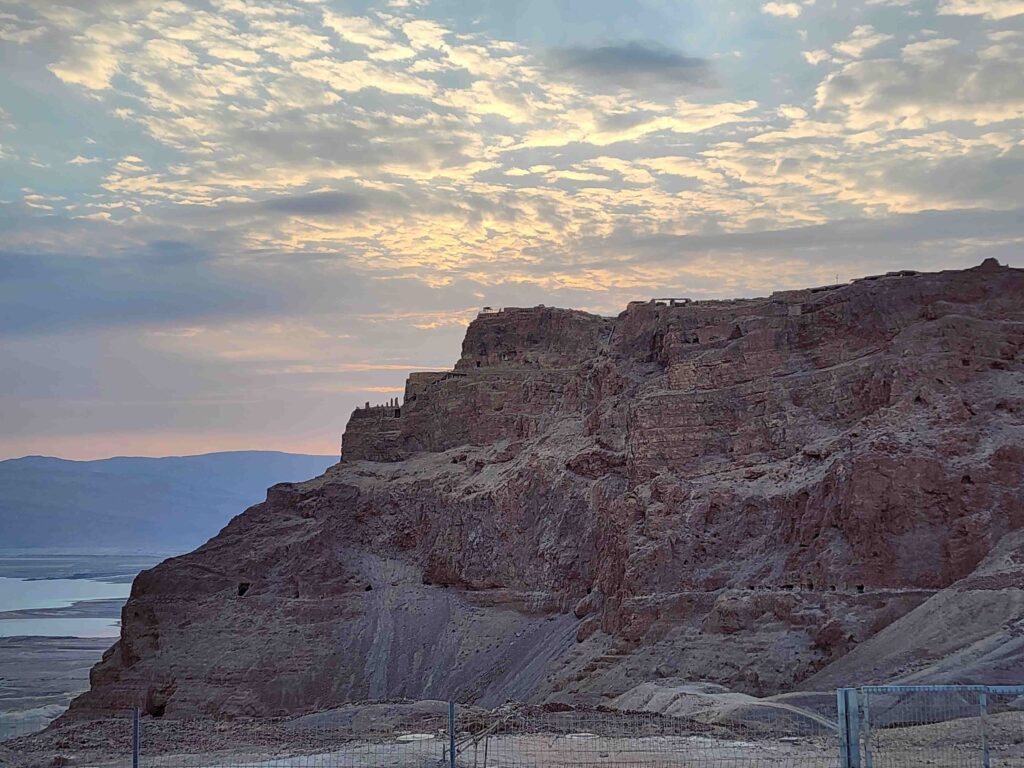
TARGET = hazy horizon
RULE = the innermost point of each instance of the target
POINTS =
(138, 503)
(225, 225)
(108, 457)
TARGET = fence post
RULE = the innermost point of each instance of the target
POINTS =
(853, 715)
(983, 707)
(135, 738)
(849, 727)
(844, 737)
(866, 715)
(451, 734)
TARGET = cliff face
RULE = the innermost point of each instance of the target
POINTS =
(741, 491)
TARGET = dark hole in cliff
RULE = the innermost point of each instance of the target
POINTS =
(965, 361)
(966, 480)
(918, 399)
(157, 709)
(368, 588)
(860, 589)
(243, 588)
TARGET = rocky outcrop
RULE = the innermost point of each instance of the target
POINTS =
(741, 491)
(973, 630)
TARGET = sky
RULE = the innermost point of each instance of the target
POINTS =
(225, 223)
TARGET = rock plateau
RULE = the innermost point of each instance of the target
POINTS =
(748, 492)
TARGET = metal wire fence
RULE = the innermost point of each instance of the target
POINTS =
(766, 735)
(942, 726)
(415, 735)
(876, 727)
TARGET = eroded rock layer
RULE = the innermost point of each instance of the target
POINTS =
(737, 491)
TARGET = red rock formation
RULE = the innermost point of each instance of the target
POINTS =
(739, 491)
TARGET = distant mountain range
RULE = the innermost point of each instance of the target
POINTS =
(122, 504)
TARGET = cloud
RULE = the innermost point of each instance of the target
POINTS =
(978, 178)
(686, 167)
(80, 160)
(989, 9)
(684, 117)
(358, 75)
(358, 30)
(814, 58)
(631, 65)
(140, 288)
(931, 82)
(863, 38)
(788, 10)
(15, 30)
(425, 34)
(924, 227)
(94, 56)
(89, 65)
(319, 204)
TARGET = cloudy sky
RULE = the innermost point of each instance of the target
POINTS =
(223, 223)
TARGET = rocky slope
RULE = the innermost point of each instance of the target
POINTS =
(737, 491)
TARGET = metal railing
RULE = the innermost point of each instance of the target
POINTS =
(870, 727)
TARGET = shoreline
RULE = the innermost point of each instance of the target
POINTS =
(39, 676)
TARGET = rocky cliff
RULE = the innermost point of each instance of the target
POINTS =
(738, 491)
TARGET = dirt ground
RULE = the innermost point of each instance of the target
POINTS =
(413, 735)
